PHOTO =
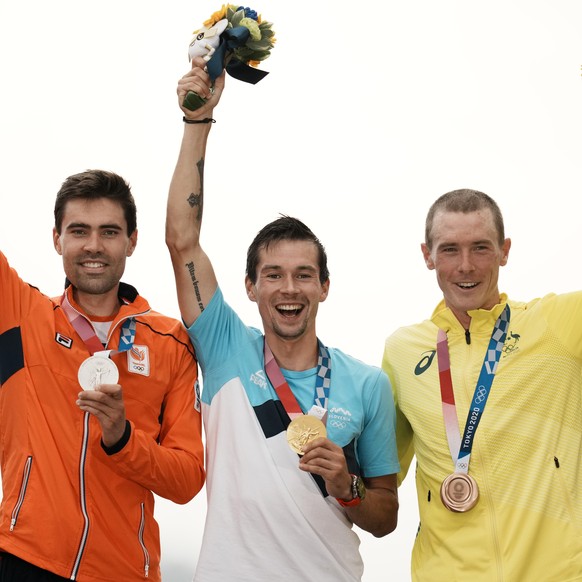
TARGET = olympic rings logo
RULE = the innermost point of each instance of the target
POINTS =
(337, 424)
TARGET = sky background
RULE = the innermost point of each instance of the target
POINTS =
(370, 111)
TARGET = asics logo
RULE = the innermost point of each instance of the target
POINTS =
(424, 363)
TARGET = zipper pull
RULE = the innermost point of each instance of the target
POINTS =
(468, 337)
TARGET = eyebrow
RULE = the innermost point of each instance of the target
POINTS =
(101, 226)
(298, 268)
(473, 242)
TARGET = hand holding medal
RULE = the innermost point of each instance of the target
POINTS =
(233, 38)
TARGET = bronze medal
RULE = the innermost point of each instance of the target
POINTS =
(97, 370)
(304, 429)
(459, 492)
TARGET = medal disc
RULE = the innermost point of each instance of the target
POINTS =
(97, 370)
(459, 492)
(302, 430)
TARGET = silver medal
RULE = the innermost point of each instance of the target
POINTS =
(97, 370)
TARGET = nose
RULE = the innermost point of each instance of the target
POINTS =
(289, 284)
(466, 264)
(93, 243)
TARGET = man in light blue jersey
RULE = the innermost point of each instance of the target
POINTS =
(300, 436)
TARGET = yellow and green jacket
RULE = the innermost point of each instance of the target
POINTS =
(526, 457)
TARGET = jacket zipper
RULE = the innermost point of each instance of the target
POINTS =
(23, 487)
(83, 498)
(114, 327)
(82, 461)
(146, 554)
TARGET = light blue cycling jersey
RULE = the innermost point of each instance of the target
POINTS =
(267, 519)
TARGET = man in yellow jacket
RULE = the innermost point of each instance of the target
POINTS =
(488, 393)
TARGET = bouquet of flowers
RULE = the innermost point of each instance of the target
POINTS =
(233, 38)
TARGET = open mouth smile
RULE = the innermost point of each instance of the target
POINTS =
(290, 310)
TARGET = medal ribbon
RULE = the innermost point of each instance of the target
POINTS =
(461, 450)
(284, 392)
(88, 335)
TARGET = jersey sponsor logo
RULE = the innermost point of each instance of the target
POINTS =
(259, 379)
(138, 360)
(64, 340)
(424, 363)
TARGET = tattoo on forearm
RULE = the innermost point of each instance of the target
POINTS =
(192, 272)
(198, 199)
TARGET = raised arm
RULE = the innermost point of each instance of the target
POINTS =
(195, 278)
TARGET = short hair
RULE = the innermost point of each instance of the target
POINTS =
(284, 228)
(92, 185)
(465, 201)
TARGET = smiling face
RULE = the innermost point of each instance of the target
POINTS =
(287, 289)
(94, 244)
(466, 255)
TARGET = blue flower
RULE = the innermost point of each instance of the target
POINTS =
(249, 12)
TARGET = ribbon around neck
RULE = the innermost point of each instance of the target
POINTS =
(230, 39)
(284, 392)
(461, 447)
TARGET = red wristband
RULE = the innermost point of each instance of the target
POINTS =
(353, 503)
(358, 492)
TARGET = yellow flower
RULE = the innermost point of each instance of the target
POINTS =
(216, 16)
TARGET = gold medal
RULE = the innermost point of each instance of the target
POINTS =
(302, 430)
(459, 492)
(97, 370)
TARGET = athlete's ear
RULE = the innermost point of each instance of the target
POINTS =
(324, 291)
(132, 243)
(426, 254)
(57, 241)
(250, 287)
(505, 251)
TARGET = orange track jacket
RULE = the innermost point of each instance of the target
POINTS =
(69, 505)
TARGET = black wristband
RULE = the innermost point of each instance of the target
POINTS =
(120, 443)
(205, 120)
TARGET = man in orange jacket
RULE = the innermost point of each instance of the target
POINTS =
(99, 404)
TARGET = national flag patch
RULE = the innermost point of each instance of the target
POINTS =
(138, 360)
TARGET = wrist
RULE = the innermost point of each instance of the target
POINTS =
(198, 121)
(358, 492)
